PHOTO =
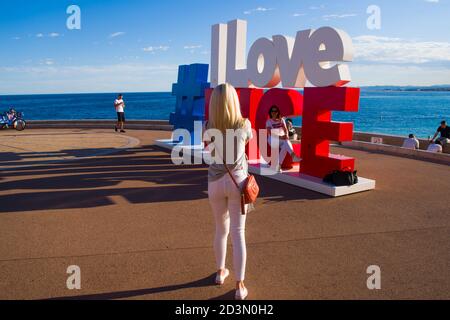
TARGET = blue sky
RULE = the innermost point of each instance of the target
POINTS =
(136, 45)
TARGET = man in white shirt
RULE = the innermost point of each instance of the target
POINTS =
(411, 143)
(119, 105)
(435, 147)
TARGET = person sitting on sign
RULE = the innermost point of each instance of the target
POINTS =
(11, 114)
(292, 133)
(435, 147)
(444, 131)
(276, 127)
(411, 143)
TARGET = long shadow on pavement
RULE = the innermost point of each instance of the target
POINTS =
(88, 183)
(205, 282)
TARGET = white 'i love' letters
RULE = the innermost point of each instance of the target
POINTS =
(314, 55)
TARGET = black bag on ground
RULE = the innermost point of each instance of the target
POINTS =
(342, 178)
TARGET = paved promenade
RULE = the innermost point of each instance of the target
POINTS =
(141, 228)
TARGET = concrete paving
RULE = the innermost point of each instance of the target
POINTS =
(140, 227)
(47, 146)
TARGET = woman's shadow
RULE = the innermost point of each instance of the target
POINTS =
(205, 282)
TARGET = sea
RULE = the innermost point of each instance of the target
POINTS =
(381, 111)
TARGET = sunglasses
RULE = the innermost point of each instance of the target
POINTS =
(274, 110)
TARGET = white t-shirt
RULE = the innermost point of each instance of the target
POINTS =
(276, 127)
(411, 143)
(434, 148)
(120, 107)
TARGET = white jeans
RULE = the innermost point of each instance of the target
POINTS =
(225, 201)
(285, 148)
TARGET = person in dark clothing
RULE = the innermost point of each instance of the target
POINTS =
(291, 130)
(444, 132)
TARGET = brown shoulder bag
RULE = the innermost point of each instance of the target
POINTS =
(249, 192)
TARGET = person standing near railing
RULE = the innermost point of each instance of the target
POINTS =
(119, 105)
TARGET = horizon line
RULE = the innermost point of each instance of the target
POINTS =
(133, 92)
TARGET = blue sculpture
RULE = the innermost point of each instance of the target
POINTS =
(190, 92)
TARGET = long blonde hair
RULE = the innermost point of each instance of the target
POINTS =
(225, 109)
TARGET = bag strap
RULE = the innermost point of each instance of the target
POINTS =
(229, 172)
(243, 209)
(232, 178)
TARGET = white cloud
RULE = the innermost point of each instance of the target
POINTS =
(338, 16)
(152, 49)
(259, 9)
(432, 1)
(47, 62)
(116, 34)
(51, 35)
(52, 78)
(396, 61)
(397, 75)
(299, 14)
(191, 47)
(400, 51)
(16, 38)
(317, 7)
(370, 38)
(88, 69)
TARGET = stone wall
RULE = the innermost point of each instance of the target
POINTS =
(361, 140)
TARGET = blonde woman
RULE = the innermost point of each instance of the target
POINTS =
(225, 119)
